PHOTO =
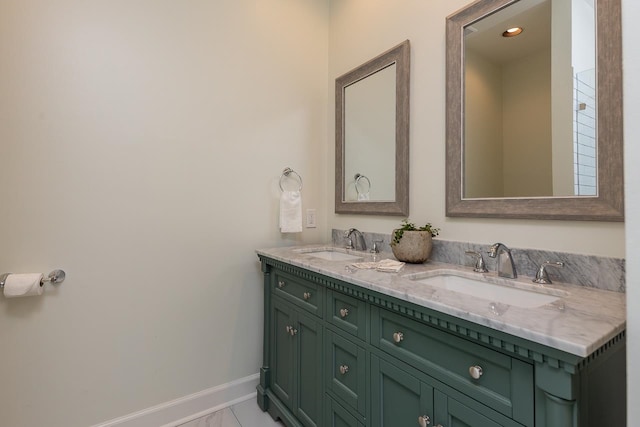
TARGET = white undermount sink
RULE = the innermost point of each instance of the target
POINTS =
(331, 254)
(505, 293)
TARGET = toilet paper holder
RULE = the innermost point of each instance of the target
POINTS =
(55, 277)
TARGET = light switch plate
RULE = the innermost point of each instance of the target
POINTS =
(311, 218)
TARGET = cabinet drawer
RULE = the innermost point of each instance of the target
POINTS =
(304, 294)
(347, 313)
(504, 383)
(345, 371)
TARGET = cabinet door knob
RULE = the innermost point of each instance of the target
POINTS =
(398, 336)
(344, 312)
(281, 284)
(291, 330)
(424, 420)
(475, 372)
(344, 369)
(306, 296)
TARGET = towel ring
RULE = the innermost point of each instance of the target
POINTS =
(285, 173)
(358, 177)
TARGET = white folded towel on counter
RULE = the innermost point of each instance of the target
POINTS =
(290, 212)
(386, 265)
(389, 265)
(365, 265)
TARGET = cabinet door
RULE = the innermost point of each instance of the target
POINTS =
(308, 341)
(296, 359)
(282, 352)
(450, 412)
(345, 371)
(398, 399)
(337, 416)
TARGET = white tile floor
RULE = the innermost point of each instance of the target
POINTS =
(243, 414)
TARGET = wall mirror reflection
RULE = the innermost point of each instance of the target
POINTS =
(530, 121)
(372, 136)
(534, 110)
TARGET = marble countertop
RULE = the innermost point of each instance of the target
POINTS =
(579, 320)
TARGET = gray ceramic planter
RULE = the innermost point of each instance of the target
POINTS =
(414, 247)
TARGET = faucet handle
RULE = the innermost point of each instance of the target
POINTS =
(376, 246)
(542, 276)
(348, 241)
(349, 244)
(480, 266)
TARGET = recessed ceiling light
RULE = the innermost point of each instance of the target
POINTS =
(512, 32)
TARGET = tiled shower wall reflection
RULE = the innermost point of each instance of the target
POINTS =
(584, 133)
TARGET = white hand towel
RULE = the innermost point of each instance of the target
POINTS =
(290, 212)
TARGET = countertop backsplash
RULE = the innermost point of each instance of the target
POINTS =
(584, 270)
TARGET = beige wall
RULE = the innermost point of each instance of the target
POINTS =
(527, 126)
(508, 127)
(141, 146)
(360, 30)
(483, 140)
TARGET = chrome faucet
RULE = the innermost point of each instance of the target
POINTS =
(504, 263)
(359, 239)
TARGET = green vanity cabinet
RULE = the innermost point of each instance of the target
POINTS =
(337, 354)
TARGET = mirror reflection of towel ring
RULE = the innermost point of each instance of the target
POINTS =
(359, 177)
(285, 173)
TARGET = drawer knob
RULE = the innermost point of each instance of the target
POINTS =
(344, 369)
(344, 312)
(281, 284)
(398, 336)
(291, 330)
(475, 372)
(424, 420)
(306, 296)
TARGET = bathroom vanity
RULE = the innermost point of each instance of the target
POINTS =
(351, 347)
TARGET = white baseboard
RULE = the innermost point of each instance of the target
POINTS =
(187, 408)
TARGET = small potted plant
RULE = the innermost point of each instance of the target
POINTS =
(413, 244)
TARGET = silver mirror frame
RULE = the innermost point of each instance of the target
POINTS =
(401, 56)
(608, 205)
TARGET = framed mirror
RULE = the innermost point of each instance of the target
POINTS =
(372, 136)
(534, 121)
